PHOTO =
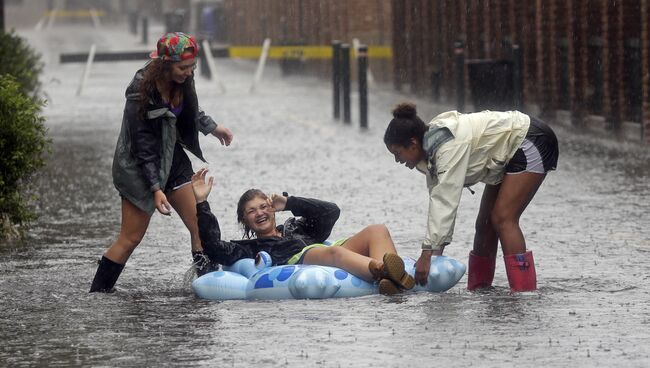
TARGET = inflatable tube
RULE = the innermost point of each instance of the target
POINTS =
(246, 279)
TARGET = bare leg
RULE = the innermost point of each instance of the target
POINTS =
(183, 201)
(514, 195)
(363, 255)
(485, 237)
(373, 241)
(340, 257)
(134, 225)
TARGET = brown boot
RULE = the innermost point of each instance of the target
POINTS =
(394, 270)
(376, 269)
(387, 287)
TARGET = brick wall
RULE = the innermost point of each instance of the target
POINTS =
(588, 57)
(311, 22)
(584, 56)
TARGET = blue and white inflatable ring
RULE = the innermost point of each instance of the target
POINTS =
(247, 280)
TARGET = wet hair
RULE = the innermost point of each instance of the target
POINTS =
(405, 125)
(156, 70)
(245, 198)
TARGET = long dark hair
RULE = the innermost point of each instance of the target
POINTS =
(406, 124)
(247, 196)
(156, 70)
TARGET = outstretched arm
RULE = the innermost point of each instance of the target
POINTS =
(451, 166)
(217, 250)
(207, 126)
(223, 134)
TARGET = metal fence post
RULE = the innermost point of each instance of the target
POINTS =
(203, 63)
(336, 78)
(145, 30)
(362, 56)
(345, 76)
(133, 23)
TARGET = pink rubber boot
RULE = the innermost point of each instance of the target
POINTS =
(481, 271)
(520, 269)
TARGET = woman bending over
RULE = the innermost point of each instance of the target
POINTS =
(509, 151)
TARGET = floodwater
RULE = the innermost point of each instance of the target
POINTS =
(589, 228)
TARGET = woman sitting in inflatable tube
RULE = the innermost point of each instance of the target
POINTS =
(369, 254)
(295, 260)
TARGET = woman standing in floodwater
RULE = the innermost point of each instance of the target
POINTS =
(151, 170)
(510, 152)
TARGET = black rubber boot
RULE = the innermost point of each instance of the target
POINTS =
(203, 264)
(106, 275)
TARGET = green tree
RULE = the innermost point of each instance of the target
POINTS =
(23, 142)
(22, 62)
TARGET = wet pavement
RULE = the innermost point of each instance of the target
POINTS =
(589, 228)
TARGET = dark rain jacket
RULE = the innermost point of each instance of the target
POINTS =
(317, 218)
(145, 146)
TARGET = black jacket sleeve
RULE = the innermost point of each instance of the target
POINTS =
(318, 217)
(217, 250)
(146, 136)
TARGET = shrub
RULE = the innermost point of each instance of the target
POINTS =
(23, 143)
(20, 61)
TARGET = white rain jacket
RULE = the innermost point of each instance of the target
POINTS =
(462, 150)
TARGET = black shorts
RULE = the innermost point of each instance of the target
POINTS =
(181, 171)
(538, 152)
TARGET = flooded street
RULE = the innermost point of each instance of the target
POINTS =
(589, 228)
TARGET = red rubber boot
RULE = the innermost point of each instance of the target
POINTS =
(480, 271)
(520, 269)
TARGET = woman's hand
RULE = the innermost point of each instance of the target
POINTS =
(422, 267)
(224, 134)
(160, 201)
(278, 202)
(200, 188)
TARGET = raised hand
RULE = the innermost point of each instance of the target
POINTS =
(278, 201)
(200, 187)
